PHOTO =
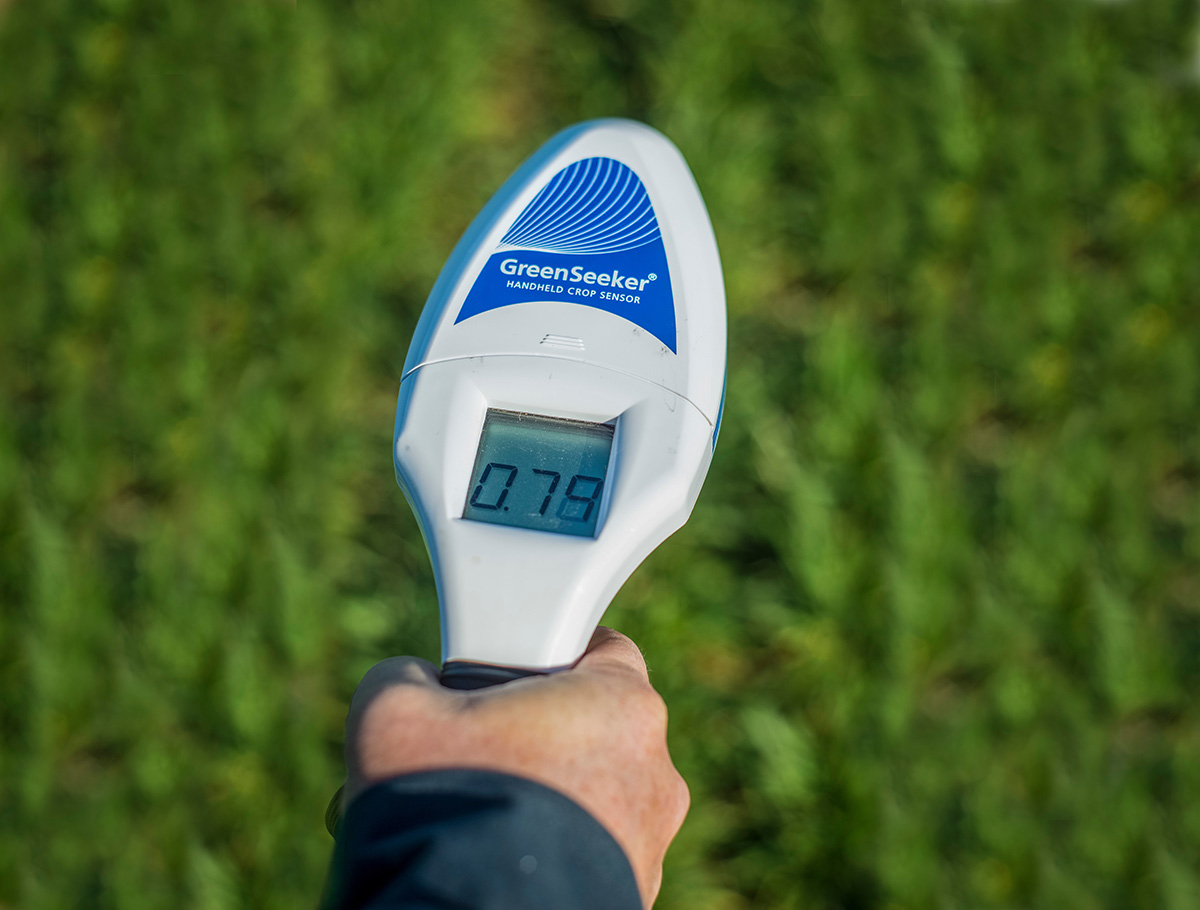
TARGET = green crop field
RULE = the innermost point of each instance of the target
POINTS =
(932, 636)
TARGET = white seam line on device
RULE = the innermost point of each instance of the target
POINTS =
(659, 385)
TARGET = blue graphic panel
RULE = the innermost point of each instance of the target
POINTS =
(589, 237)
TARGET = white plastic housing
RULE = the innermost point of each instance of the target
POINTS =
(525, 598)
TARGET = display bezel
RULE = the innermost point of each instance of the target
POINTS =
(606, 429)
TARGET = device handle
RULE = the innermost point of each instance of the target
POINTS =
(465, 674)
(456, 674)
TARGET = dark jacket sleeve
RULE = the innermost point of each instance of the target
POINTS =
(474, 840)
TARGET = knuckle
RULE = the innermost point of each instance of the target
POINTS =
(646, 713)
(681, 797)
(653, 705)
(684, 791)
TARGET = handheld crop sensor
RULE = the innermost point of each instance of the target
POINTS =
(562, 395)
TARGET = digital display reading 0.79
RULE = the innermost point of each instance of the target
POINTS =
(539, 472)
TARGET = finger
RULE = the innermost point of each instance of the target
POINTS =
(609, 649)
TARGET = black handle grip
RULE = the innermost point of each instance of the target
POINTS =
(456, 674)
(464, 674)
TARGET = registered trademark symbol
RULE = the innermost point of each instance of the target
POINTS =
(653, 276)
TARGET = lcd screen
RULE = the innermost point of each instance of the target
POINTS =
(542, 473)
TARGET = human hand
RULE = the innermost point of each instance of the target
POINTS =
(595, 733)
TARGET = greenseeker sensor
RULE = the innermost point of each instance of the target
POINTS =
(562, 395)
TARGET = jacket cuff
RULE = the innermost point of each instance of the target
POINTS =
(475, 839)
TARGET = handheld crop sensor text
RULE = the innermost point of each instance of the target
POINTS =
(562, 396)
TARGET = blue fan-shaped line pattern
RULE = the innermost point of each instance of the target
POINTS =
(596, 205)
(587, 197)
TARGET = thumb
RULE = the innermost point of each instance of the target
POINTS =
(395, 671)
(394, 674)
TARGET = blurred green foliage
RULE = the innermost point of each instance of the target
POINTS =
(931, 637)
